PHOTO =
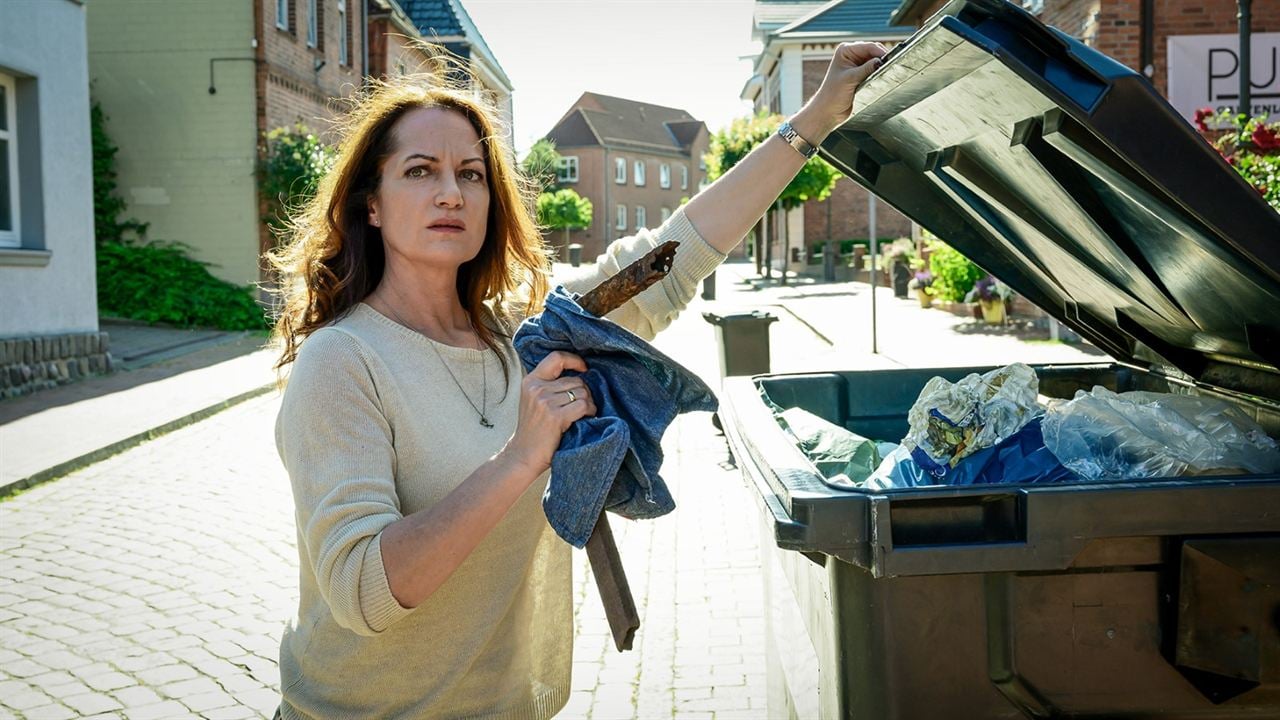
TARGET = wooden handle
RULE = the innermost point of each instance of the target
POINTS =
(606, 564)
(611, 581)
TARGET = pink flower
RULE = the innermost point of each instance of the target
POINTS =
(1266, 138)
(1201, 114)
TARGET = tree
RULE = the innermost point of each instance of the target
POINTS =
(542, 164)
(731, 144)
(564, 210)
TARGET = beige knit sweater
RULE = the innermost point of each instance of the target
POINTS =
(372, 429)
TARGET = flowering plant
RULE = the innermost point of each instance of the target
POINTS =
(1250, 145)
(988, 289)
(921, 281)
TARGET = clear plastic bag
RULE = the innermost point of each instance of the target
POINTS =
(1102, 435)
(950, 422)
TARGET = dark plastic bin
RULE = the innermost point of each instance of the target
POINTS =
(1152, 600)
(1068, 177)
(743, 340)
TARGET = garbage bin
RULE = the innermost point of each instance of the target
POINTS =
(1064, 174)
(709, 286)
(744, 341)
(901, 278)
(575, 254)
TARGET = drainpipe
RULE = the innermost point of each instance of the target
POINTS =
(1246, 99)
(1148, 22)
(364, 38)
(609, 211)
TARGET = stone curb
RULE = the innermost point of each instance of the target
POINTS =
(89, 458)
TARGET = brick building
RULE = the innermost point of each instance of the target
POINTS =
(395, 26)
(798, 39)
(635, 161)
(190, 86)
(1187, 48)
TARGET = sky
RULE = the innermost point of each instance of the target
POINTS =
(682, 54)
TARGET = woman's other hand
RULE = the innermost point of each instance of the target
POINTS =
(549, 403)
(832, 104)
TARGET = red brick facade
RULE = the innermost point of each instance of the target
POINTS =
(1115, 26)
(849, 205)
(292, 84)
(295, 90)
(597, 182)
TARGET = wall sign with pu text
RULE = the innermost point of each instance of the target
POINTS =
(1204, 71)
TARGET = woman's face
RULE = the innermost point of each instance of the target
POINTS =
(432, 203)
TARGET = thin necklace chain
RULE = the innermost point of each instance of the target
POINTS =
(484, 380)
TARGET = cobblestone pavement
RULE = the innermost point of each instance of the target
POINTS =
(155, 584)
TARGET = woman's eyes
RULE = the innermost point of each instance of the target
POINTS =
(420, 171)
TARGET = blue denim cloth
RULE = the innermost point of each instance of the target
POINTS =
(611, 460)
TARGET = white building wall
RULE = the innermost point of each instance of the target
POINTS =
(48, 286)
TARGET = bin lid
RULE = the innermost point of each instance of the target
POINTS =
(1067, 176)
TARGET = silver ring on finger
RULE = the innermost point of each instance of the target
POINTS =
(572, 397)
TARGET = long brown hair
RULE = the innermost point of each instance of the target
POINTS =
(332, 259)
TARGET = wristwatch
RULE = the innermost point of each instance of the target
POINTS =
(802, 146)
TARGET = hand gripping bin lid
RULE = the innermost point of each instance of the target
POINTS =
(1066, 175)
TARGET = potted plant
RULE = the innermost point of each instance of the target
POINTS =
(920, 284)
(991, 295)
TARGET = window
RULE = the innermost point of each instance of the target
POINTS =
(666, 213)
(8, 164)
(684, 177)
(282, 14)
(313, 23)
(639, 173)
(568, 170)
(344, 34)
(621, 222)
(664, 175)
(702, 164)
(620, 171)
(640, 219)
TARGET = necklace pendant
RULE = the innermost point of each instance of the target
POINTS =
(484, 421)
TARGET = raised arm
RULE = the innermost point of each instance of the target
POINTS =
(726, 211)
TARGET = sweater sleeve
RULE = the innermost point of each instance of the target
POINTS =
(335, 443)
(654, 309)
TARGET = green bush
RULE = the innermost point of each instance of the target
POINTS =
(157, 282)
(954, 275)
(294, 162)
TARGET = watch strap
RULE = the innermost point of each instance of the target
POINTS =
(802, 146)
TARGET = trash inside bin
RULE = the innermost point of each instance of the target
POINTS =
(743, 339)
(1065, 175)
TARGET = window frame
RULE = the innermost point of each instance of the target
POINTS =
(12, 238)
(621, 217)
(313, 23)
(282, 15)
(637, 173)
(664, 176)
(620, 170)
(344, 33)
(665, 214)
(684, 177)
(642, 218)
(567, 162)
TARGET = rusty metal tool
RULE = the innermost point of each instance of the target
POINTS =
(602, 552)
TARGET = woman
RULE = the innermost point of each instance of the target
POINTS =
(431, 583)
